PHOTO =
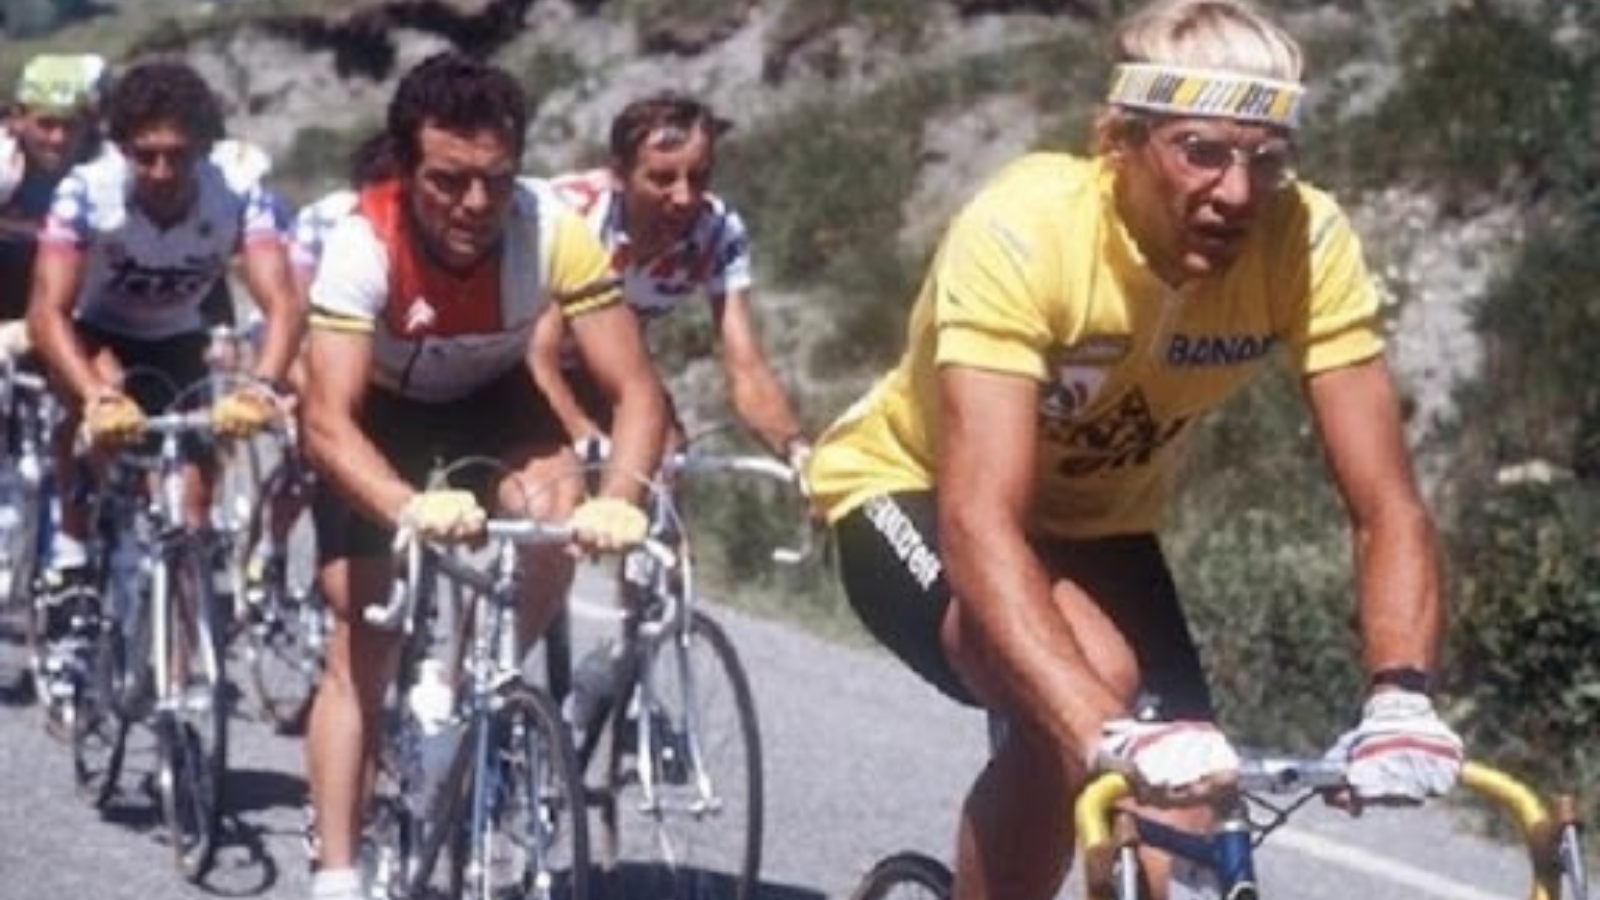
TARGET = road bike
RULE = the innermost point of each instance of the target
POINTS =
(492, 784)
(29, 413)
(261, 513)
(1270, 790)
(156, 652)
(663, 702)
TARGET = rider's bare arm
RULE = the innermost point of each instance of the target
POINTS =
(1402, 608)
(57, 277)
(758, 397)
(986, 484)
(266, 271)
(339, 362)
(544, 363)
(614, 351)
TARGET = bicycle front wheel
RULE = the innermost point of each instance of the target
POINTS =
(530, 837)
(690, 758)
(906, 876)
(192, 720)
(286, 622)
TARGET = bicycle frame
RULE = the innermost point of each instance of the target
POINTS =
(486, 655)
(167, 536)
(1108, 834)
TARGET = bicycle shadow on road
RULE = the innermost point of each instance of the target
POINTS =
(262, 806)
(640, 879)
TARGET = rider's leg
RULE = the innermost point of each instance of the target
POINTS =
(1016, 836)
(344, 728)
(1118, 597)
(546, 486)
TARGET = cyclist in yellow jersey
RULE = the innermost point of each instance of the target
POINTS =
(996, 496)
(423, 308)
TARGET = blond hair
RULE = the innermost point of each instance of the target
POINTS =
(1219, 35)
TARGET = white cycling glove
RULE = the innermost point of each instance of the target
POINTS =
(13, 166)
(1400, 750)
(1171, 762)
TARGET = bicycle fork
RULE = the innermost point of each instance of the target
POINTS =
(677, 750)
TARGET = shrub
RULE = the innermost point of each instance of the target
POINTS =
(1486, 95)
(1528, 622)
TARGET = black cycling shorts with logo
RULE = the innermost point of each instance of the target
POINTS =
(889, 564)
(507, 416)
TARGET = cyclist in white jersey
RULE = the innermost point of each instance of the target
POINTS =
(670, 239)
(132, 244)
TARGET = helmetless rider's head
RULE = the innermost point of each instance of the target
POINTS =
(1199, 121)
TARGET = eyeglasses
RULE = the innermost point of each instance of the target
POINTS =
(454, 184)
(1270, 166)
(147, 157)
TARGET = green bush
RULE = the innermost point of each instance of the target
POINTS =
(1527, 625)
(1486, 97)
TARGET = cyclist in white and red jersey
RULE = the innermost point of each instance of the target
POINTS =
(996, 497)
(423, 306)
(670, 239)
(132, 244)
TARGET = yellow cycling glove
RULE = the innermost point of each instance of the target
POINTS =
(607, 523)
(444, 515)
(113, 418)
(243, 412)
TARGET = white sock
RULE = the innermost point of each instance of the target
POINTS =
(67, 552)
(335, 884)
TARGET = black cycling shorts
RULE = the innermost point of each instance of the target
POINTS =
(888, 561)
(156, 371)
(507, 416)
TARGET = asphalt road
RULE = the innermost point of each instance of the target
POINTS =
(861, 760)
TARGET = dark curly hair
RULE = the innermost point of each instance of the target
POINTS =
(455, 92)
(642, 118)
(163, 91)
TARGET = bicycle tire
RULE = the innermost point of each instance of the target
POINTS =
(906, 876)
(20, 545)
(99, 718)
(698, 851)
(192, 726)
(285, 620)
(529, 836)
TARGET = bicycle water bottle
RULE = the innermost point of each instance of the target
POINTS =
(432, 704)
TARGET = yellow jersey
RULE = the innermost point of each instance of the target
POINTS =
(1038, 277)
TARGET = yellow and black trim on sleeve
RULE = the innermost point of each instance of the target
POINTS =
(335, 321)
(581, 279)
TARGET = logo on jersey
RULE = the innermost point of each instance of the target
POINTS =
(1127, 434)
(158, 284)
(1077, 375)
(1196, 351)
(420, 316)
